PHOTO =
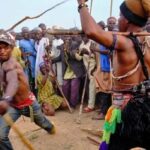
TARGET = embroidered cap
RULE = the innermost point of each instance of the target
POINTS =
(7, 38)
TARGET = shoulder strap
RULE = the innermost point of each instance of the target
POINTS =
(139, 53)
(112, 47)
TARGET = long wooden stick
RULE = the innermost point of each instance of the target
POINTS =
(80, 32)
(91, 6)
(62, 93)
(10, 122)
(35, 17)
(82, 100)
(83, 93)
(111, 7)
(98, 133)
(93, 141)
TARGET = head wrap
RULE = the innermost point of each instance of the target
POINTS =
(136, 11)
(41, 64)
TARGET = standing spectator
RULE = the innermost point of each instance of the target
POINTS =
(111, 22)
(43, 28)
(89, 60)
(55, 53)
(29, 55)
(103, 78)
(16, 53)
(40, 44)
(44, 32)
(72, 70)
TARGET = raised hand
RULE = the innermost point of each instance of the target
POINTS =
(82, 1)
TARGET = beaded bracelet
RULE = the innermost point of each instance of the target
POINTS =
(81, 6)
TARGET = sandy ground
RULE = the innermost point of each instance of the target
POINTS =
(69, 135)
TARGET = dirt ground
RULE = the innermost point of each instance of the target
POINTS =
(69, 135)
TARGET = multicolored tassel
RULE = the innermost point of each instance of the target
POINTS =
(112, 117)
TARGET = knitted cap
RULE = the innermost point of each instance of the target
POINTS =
(136, 11)
(7, 38)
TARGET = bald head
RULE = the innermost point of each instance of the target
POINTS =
(111, 22)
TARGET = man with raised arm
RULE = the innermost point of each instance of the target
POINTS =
(127, 122)
(16, 97)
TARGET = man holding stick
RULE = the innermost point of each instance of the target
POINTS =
(16, 97)
(127, 122)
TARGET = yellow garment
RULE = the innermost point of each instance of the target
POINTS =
(47, 94)
(16, 53)
(69, 74)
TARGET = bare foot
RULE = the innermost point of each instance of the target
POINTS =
(48, 109)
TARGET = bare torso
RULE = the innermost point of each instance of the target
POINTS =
(126, 60)
(23, 87)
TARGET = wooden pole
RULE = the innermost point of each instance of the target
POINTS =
(111, 7)
(10, 122)
(80, 32)
(91, 6)
(93, 141)
(62, 93)
(82, 99)
(83, 92)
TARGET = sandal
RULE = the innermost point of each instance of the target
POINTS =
(87, 110)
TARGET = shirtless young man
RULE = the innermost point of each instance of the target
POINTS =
(16, 98)
(133, 128)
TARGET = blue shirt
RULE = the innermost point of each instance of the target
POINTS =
(28, 46)
(104, 60)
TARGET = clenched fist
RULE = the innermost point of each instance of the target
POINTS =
(3, 107)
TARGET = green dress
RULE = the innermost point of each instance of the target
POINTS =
(47, 94)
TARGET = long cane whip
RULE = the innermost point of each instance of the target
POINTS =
(37, 16)
(25, 141)
(50, 62)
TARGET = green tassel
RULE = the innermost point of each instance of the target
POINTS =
(119, 116)
(106, 136)
(114, 115)
(110, 127)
